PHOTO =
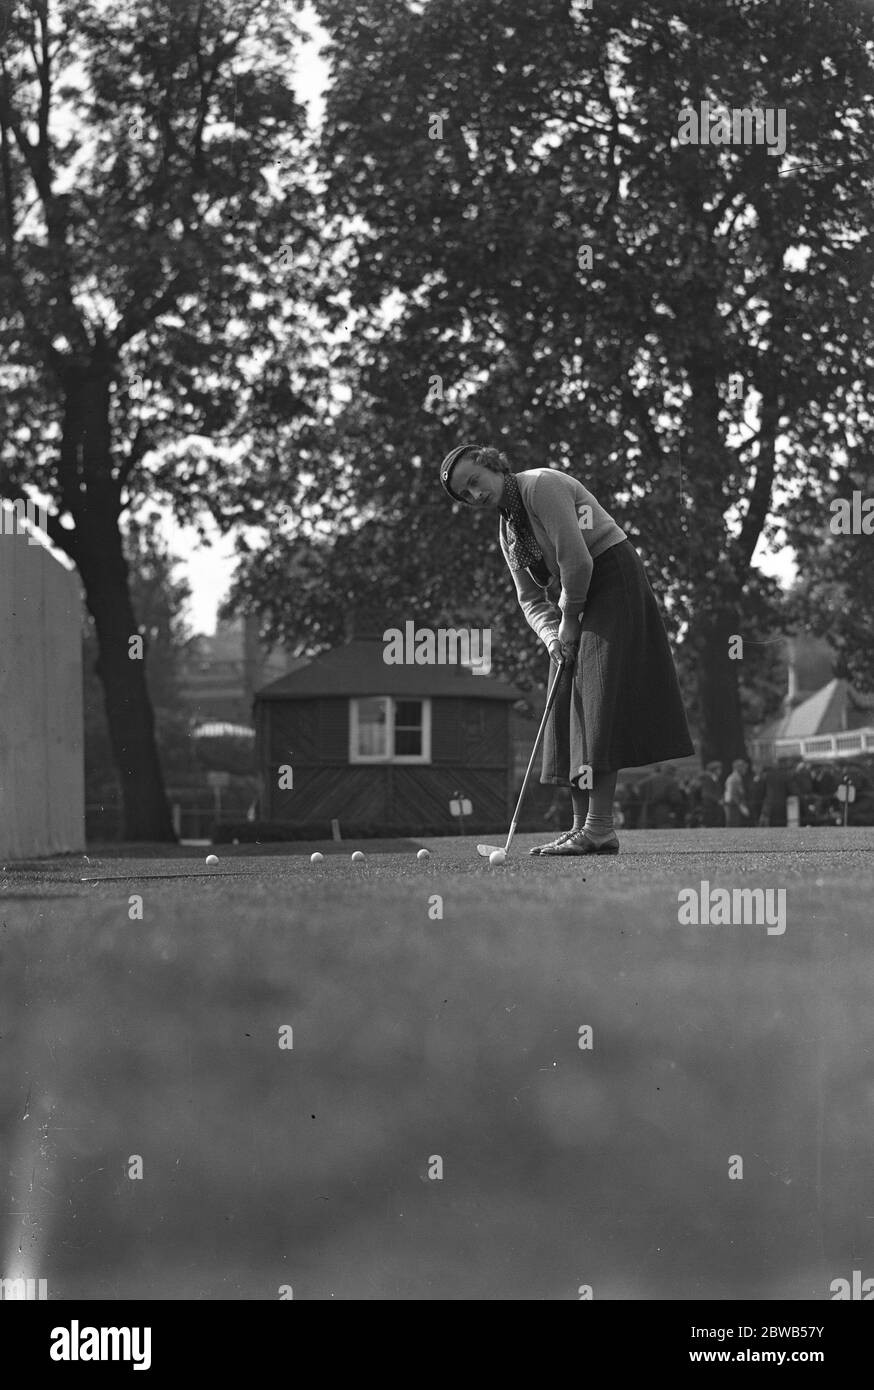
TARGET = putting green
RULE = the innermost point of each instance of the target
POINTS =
(432, 1036)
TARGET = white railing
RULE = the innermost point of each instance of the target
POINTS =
(821, 747)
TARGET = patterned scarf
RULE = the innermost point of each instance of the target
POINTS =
(524, 552)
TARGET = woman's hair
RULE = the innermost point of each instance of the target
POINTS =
(494, 460)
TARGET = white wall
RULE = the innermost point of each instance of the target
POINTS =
(42, 774)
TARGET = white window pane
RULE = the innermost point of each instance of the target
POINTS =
(372, 728)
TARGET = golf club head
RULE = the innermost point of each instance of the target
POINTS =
(486, 850)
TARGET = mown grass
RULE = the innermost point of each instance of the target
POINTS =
(415, 1037)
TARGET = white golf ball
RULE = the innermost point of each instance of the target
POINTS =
(316, 858)
(358, 857)
(424, 854)
(212, 860)
(497, 856)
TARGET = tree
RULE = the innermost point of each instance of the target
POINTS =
(531, 257)
(158, 598)
(833, 536)
(766, 618)
(153, 260)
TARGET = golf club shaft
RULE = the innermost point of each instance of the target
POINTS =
(550, 701)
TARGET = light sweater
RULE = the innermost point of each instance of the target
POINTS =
(554, 503)
(735, 793)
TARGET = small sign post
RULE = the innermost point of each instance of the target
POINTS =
(846, 793)
(461, 807)
(218, 781)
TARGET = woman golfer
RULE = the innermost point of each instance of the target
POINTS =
(584, 591)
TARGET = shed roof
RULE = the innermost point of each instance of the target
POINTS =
(357, 668)
(823, 712)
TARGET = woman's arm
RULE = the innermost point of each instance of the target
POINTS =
(540, 613)
(554, 508)
(559, 632)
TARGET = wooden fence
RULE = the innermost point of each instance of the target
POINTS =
(42, 780)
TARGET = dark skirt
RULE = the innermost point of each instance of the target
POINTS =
(620, 705)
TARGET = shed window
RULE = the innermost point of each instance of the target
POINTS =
(372, 740)
(385, 730)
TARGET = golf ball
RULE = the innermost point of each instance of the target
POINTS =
(424, 854)
(212, 860)
(497, 856)
(358, 857)
(316, 858)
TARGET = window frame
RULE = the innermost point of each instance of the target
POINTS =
(381, 759)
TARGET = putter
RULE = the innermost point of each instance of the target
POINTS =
(486, 850)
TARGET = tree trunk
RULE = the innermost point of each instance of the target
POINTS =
(717, 593)
(92, 495)
(721, 717)
(126, 698)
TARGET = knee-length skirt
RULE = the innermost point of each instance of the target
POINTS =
(620, 704)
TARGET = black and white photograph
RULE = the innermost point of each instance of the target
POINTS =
(437, 667)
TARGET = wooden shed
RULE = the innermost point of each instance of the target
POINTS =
(384, 745)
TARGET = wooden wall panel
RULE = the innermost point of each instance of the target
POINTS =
(484, 734)
(42, 800)
(350, 794)
(294, 731)
(469, 732)
(64, 713)
(423, 794)
(446, 731)
(334, 730)
(470, 751)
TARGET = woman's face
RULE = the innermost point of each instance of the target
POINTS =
(477, 486)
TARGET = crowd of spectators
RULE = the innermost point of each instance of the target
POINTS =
(746, 797)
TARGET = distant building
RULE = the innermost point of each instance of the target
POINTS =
(220, 674)
(809, 666)
(384, 745)
(823, 717)
(833, 722)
